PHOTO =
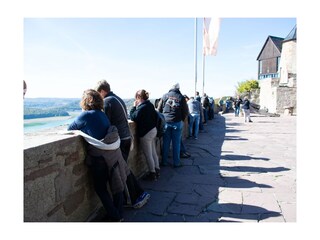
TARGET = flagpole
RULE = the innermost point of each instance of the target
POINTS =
(203, 62)
(203, 71)
(195, 55)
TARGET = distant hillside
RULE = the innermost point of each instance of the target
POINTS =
(53, 107)
(31, 113)
(49, 107)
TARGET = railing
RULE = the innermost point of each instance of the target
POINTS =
(269, 75)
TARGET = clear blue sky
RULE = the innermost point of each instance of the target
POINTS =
(64, 56)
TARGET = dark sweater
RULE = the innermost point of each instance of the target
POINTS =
(145, 116)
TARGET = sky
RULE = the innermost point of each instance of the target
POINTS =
(61, 59)
(65, 56)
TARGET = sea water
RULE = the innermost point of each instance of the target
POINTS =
(38, 124)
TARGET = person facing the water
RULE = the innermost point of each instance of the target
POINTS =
(106, 166)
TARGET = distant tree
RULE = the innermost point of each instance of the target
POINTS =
(247, 86)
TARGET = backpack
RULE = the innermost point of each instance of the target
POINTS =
(161, 124)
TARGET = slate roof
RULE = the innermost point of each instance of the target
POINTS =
(277, 41)
(292, 35)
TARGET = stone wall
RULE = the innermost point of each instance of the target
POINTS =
(57, 183)
(57, 186)
(286, 97)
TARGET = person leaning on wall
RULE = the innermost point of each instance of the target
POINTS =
(115, 108)
(104, 157)
(145, 116)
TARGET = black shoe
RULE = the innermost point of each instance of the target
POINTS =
(184, 155)
(188, 154)
(157, 172)
(177, 166)
(151, 176)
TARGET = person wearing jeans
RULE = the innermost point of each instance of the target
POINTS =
(175, 110)
(237, 104)
(194, 119)
(194, 109)
(173, 133)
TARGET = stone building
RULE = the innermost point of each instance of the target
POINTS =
(277, 74)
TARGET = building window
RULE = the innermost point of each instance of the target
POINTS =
(278, 64)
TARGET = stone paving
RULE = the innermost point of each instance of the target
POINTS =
(238, 172)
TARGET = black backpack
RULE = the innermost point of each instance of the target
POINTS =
(161, 124)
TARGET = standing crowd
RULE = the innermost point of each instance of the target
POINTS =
(104, 125)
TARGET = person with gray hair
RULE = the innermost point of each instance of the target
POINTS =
(174, 108)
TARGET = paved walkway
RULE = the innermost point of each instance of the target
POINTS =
(238, 172)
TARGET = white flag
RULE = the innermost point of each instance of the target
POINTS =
(211, 28)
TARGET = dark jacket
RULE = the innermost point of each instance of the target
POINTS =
(145, 116)
(173, 106)
(237, 102)
(116, 110)
(117, 167)
(246, 104)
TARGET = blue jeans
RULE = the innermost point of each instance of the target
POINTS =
(173, 133)
(194, 118)
(205, 115)
(237, 111)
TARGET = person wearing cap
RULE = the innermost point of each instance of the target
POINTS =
(174, 108)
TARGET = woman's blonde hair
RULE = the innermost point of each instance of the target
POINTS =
(91, 100)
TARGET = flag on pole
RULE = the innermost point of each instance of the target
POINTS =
(211, 28)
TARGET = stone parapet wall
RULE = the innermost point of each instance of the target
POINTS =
(57, 183)
(57, 186)
(286, 97)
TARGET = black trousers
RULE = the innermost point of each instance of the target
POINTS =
(113, 207)
(133, 186)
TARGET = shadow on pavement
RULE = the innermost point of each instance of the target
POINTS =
(192, 193)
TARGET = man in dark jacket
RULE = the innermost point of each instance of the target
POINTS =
(175, 109)
(115, 109)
